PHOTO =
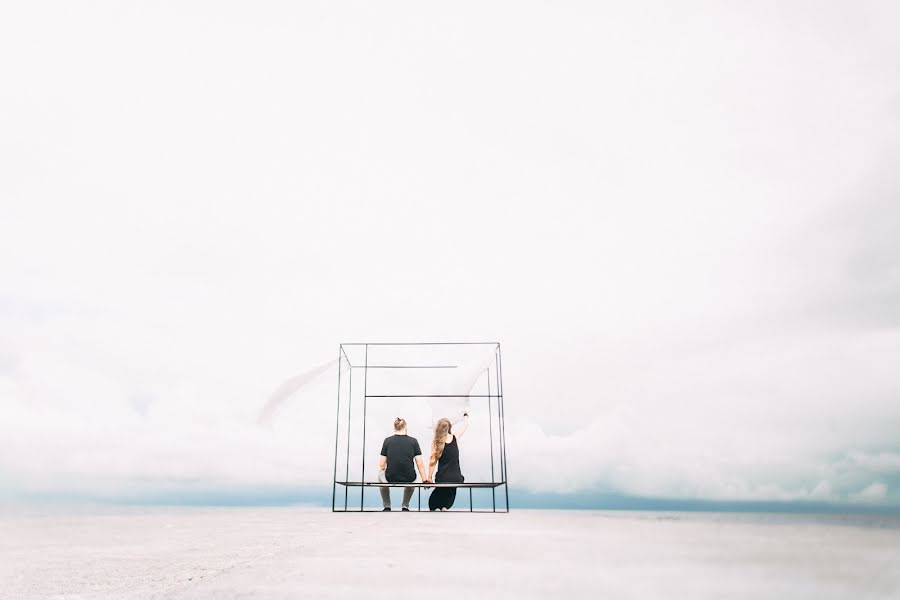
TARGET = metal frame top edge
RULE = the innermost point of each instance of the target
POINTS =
(420, 343)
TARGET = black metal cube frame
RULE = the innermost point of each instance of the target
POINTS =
(494, 400)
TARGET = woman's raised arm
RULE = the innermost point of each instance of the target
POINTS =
(462, 429)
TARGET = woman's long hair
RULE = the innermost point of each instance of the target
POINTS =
(440, 433)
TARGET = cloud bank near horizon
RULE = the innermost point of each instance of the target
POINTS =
(681, 224)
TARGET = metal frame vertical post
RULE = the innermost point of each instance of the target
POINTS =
(362, 476)
(349, 421)
(503, 426)
(491, 437)
(337, 428)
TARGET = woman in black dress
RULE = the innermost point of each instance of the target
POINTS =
(445, 456)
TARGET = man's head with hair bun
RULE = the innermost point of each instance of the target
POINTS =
(399, 424)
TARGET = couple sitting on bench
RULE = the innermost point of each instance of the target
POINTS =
(400, 450)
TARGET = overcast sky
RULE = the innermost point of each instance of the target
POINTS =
(681, 221)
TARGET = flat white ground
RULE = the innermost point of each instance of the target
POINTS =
(312, 553)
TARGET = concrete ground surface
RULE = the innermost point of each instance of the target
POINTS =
(123, 553)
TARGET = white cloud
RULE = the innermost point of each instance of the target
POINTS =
(881, 462)
(875, 492)
(681, 229)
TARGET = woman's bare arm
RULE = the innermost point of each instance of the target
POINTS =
(431, 464)
(462, 429)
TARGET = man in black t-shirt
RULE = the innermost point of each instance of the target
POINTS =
(396, 464)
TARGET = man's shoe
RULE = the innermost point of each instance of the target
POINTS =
(405, 509)
(386, 509)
